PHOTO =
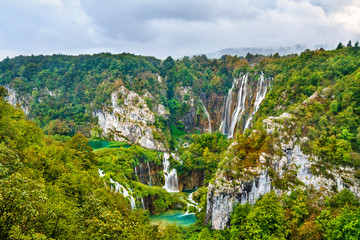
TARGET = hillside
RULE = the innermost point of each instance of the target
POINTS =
(270, 143)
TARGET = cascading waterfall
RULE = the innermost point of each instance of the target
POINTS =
(171, 180)
(121, 189)
(261, 90)
(207, 115)
(150, 183)
(224, 126)
(229, 121)
(191, 203)
(240, 105)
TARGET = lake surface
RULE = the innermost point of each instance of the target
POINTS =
(107, 144)
(174, 216)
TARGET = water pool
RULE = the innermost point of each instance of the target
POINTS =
(174, 216)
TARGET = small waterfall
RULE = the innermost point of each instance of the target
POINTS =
(101, 173)
(191, 203)
(135, 171)
(142, 203)
(121, 189)
(171, 180)
(207, 115)
(141, 174)
(150, 183)
(224, 126)
(261, 90)
(240, 105)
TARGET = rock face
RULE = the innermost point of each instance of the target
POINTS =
(129, 119)
(13, 99)
(224, 193)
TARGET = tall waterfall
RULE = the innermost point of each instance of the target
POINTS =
(261, 90)
(171, 180)
(121, 189)
(240, 105)
(207, 115)
(229, 121)
(224, 127)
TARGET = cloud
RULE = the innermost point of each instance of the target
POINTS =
(172, 27)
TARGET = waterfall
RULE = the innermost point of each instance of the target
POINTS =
(207, 115)
(191, 203)
(149, 173)
(142, 203)
(171, 180)
(135, 171)
(229, 121)
(101, 173)
(121, 189)
(240, 105)
(224, 126)
(261, 90)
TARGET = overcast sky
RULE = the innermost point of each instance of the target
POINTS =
(171, 27)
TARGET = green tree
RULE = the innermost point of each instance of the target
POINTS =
(345, 227)
(266, 220)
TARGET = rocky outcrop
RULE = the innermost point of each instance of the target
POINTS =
(129, 119)
(224, 193)
(13, 99)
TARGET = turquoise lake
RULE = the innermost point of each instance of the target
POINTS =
(174, 216)
(107, 144)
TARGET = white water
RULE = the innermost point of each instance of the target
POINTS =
(142, 203)
(240, 105)
(191, 203)
(224, 126)
(207, 115)
(261, 90)
(171, 180)
(229, 122)
(150, 183)
(101, 173)
(121, 189)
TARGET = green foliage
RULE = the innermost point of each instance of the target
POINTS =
(345, 226)
(203, 155)
(51, 190)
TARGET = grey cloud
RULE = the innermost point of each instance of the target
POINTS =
(167, 27)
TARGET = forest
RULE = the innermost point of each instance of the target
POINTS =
(50, 186)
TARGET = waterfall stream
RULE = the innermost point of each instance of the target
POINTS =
(150, 183)
(240, 105)
(171, 179)
(191, 203)
(142, 203)
(261, 90)
(228, 124)
(224, 127)
(121, 189)
(207, 115)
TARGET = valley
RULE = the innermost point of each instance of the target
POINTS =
(114, 146)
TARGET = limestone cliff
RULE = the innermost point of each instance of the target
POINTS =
(223, 193)
(129, 119)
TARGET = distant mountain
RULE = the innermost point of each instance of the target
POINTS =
(262, 51)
